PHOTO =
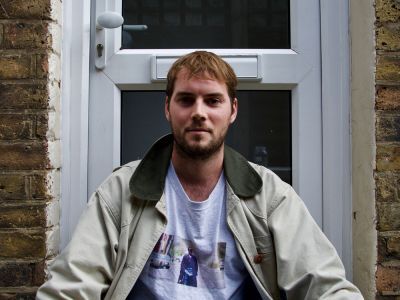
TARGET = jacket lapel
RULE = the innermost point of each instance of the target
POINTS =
(147, 182)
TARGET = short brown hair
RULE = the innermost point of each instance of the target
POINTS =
(203, 63)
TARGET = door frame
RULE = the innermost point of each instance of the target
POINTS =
(336, 147)
(75, 113)
(336, 124)
(296, 69)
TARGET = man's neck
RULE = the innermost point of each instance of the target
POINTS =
(198, 176)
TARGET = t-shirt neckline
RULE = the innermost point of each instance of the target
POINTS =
(196, 205)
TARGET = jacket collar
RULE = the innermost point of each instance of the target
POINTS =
(147, 182)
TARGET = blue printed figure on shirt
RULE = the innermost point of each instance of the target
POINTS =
(189, 269)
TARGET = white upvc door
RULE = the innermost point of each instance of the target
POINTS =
(297, 70)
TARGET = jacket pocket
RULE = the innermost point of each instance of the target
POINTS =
(266, 262)
(264, 245)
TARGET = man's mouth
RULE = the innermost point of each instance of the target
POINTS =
(199, 130)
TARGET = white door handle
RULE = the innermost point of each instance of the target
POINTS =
(134, 27)
(109, 20)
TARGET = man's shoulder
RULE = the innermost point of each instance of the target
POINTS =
(114, 192)
(116, 186)
(130, 166)
(269, 178)
(272, 192)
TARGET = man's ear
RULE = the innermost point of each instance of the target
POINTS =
(166, 108)
(234, 110)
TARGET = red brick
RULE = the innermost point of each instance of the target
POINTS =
(393, 246)
(388, 246)
(388, 216)
(388, 98)
(23, 96)
(41, 126)
(23, 216)
(382, 248)
(35, 9)
(20, 295)
(22, 187)
(388, 156)
(42, 66)
(387, 279)
(388, 127)
(13, 186)
(387, 10)
(388, 67)
(386, 297)
(17, 66)
(23, 155)
(23, 126)
(14, 274)
(17, 126)
(25, 35)
(38, 187)
(22, 244)
(388, 37)
(387, 186)
(1, 35)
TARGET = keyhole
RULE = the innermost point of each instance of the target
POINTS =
(100, 48)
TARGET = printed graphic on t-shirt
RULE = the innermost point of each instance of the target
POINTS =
(180, 261)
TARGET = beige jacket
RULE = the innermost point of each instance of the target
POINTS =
(283, 249)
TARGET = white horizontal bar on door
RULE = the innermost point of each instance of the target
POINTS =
(280, 67)
(246, 67)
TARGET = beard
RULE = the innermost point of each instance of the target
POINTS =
(198, 151)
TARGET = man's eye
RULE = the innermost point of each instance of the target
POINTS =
(185, 100)
(213, 101)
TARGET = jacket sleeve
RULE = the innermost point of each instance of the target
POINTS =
(307, 263)
(85, 268)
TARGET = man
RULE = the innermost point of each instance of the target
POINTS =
(189, 268)
(197, 191)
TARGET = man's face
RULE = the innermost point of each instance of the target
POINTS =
(200, 113)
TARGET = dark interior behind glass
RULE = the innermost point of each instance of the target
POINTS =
(202, 24)
(261, 132)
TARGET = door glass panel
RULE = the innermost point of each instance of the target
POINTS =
(261, 132)
(200, 24)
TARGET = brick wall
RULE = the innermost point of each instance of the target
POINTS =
(387, 174)
(29, 143)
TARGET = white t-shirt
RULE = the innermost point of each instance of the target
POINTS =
(196, 256)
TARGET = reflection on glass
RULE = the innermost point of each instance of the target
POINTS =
(261, 132)
(201, 24)
(142, 122)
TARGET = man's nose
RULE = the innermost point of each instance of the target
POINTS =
(198, 112)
